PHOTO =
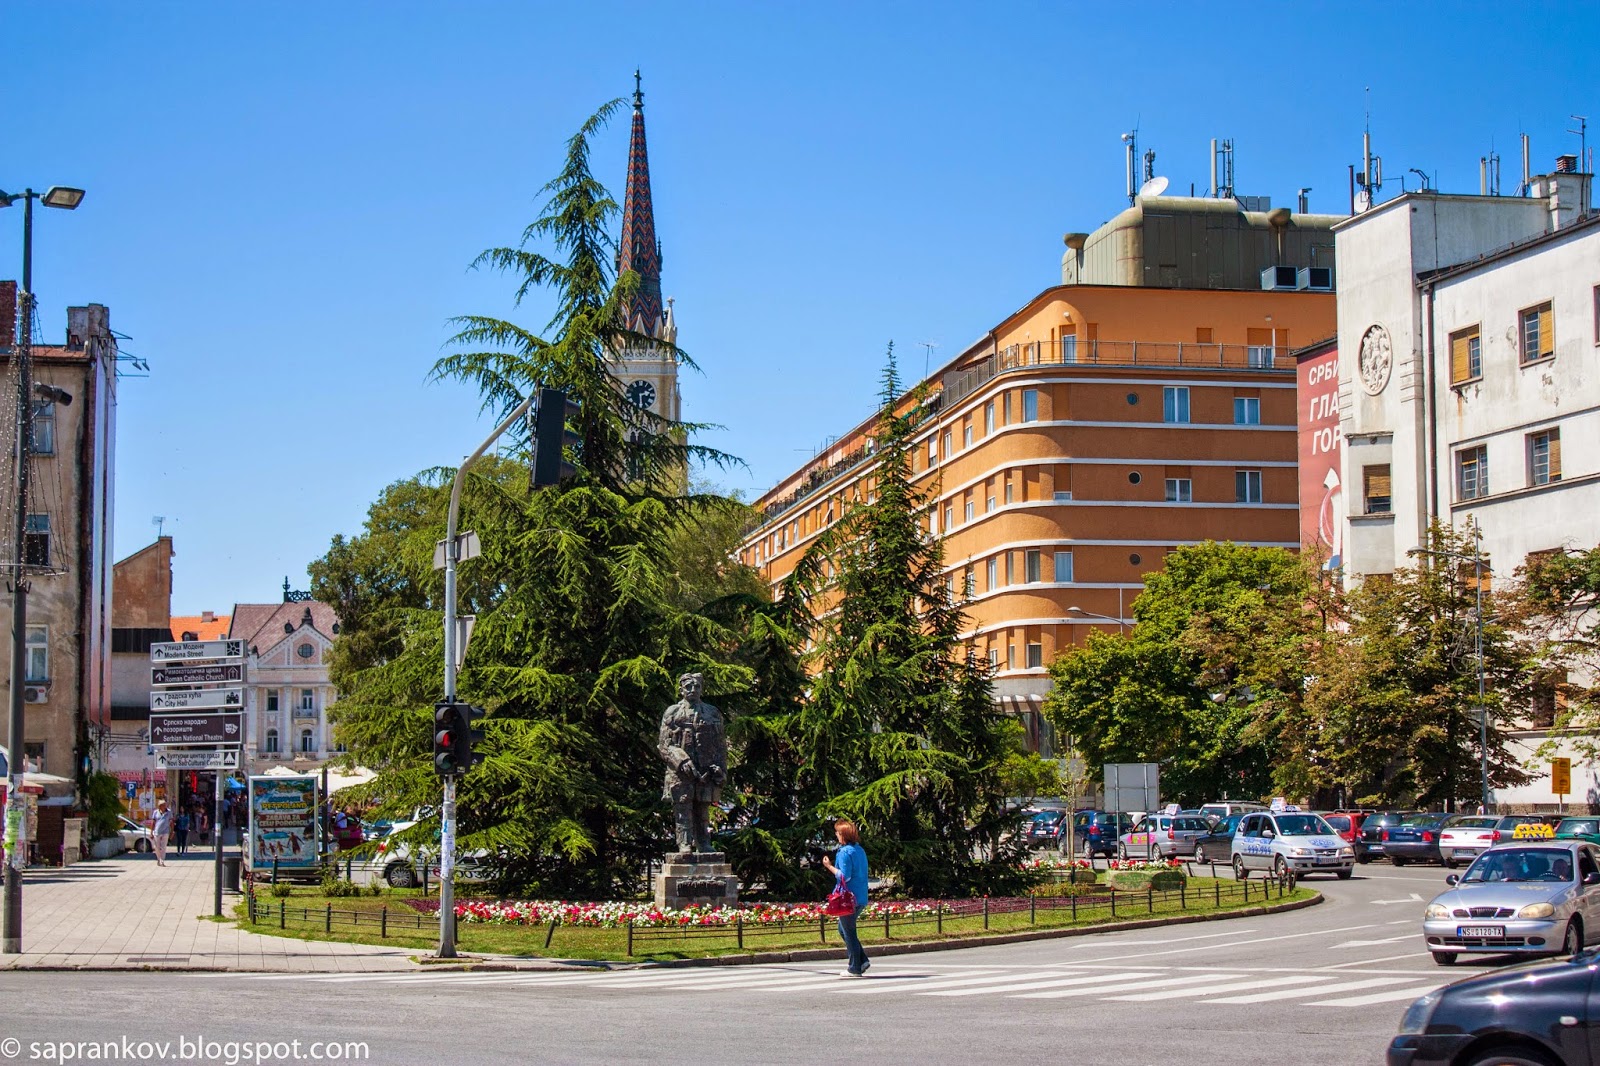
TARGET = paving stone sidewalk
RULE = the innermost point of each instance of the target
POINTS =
(127, 913)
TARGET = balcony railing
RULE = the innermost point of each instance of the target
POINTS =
(961, 383)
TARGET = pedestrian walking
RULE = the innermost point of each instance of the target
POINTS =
(851, 869)
(180, 829)
(160, 826)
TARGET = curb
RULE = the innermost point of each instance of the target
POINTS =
(919, 946)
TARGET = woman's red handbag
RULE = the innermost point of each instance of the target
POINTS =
(841, 902)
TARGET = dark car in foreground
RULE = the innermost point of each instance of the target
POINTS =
(1369, 843)
(1527, 1016)
(1415, 838)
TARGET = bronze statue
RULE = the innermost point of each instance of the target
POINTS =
(695, 749)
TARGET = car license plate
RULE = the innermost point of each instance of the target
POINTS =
(1481, 930)
(1466, 853)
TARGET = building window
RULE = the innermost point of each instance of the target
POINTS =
(994, 573)
(44, 427)
(933, 450)
(1472, 472)
(37, 664)
(1063, 566)
(988, 418)
(1010, 577)
(950, 585)
(1030, 405)
(1011, 656)
(1466, 355)
(1030, 564)
(949, 445)
(1175, 403)
(1375, 482)
(1180, 490)
(307, 700)
(1247, 486)
(989, 503)
(308, 741)
(1544, 457)
(1069, 347)
(1008, 492)
(36, 541)
(968, 511)
(994, 658)
(949, 517)
(1246, 411)
(1259, 356)
(305, 651)
(272, 700)
(966, 437)
(1538, 333)
(1035, 656)
(272, 742)
(971, 582)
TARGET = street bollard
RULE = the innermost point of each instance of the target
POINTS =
(822, 928)
(630, 936)
(274, 871)
(1033, 910)
(550, 934)
(1216, 890)
(1113, 903)
(1074, 898)
(886, 925)
(1183, 896)
(738, 925)
(383, 921)
(938, 917)
(1150, 900)
(283, 912)
(986, 912)
(327, 920)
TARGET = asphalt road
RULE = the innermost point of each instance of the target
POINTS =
(1325, 985)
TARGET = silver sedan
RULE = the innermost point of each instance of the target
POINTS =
(1522, 898)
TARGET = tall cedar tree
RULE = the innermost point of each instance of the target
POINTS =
(1399, 688)
(582, 622)
(1557, 603)
(901, 732)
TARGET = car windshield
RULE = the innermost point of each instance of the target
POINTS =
(1585, 826)
(1521, 864)
(1340, 822)
(1302, 825)
(1419, 819)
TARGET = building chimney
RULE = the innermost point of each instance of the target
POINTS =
(8, 313)
(208, 616)
(1566, 190)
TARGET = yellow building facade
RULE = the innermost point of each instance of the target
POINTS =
(1090, 433)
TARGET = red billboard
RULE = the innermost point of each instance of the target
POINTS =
(1322, 501)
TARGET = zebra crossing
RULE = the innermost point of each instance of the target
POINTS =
(897, 977)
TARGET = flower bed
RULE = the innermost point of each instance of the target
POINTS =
(612, 915)
(1056, 866)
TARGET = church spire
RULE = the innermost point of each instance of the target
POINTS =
(638, 249)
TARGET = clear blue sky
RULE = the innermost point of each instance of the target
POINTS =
(283, 199)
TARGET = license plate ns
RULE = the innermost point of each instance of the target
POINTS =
(1481, 931)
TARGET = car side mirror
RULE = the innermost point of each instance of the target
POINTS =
(1452, 880)
(1269, 834)
(1591, 878)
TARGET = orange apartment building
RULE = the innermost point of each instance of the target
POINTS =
(1099, 427)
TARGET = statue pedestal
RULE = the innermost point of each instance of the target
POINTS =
(696, 879)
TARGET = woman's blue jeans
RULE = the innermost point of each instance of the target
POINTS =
(847, 933)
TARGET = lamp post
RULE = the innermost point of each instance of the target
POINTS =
(1121, 626)
(1483, 708)
(66, 199)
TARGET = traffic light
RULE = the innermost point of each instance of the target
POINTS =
(453, 737)
(552, 438)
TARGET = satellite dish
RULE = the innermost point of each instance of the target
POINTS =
(1153, 187)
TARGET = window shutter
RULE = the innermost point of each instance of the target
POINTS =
(1258, 338)
(1378, 481)
(1547, 332)
(1460, 365)
(1555, 455)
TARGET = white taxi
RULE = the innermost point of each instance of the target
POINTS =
(1281, 842)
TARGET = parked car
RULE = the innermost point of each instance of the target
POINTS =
(1370, 844)
(135, 837)
(1046, 829)
(1097, 832)
(1303, 843)
(1162, 836)
(1533, 897)
(1526, 827)
(1346, 823)
(1466, 836)
(1415, 838)
(1217, 844)
(1532, 1014)
(1223, 808)
(396, 864)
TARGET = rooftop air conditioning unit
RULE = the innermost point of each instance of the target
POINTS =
(35, 694)
(1315, 279)
(1280, 278)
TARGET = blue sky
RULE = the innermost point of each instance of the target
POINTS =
(283, 199)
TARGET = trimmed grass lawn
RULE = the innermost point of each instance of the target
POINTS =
(309, 914)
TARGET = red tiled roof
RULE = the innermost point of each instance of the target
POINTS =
(215, 629)
(261, 624)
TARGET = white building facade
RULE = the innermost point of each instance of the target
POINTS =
(287, 693)
(1469, 345)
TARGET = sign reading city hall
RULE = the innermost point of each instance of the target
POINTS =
(198, 699)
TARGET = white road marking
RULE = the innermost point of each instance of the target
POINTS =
(1027, 985)
(1240, 943)
(1381, 997)
(1225, 986)
(1413, 898)
(1372, 943)
(1119, 987)
(1320, 990)
(870, 986)
(1374, 962)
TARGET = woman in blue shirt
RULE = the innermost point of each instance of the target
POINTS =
(852, 870)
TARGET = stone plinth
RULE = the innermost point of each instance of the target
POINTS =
(696, 879)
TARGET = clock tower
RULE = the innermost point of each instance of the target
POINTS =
(648, 372)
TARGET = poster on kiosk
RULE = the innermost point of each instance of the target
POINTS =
(283, 822)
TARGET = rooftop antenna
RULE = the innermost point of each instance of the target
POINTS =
(1421, 174)
(927, 356)
(159, 521)
(1583, 138)
(1131, 139)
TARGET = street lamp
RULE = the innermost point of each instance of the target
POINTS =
(66, 199)
(1121, 626)
(1483, 708)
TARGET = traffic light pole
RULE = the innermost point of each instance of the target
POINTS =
(447, 816)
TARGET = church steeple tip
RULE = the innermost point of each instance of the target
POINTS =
(638, 250)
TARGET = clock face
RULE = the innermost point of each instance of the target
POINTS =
(643, 394)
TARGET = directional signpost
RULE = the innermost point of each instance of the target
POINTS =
(202, 727)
